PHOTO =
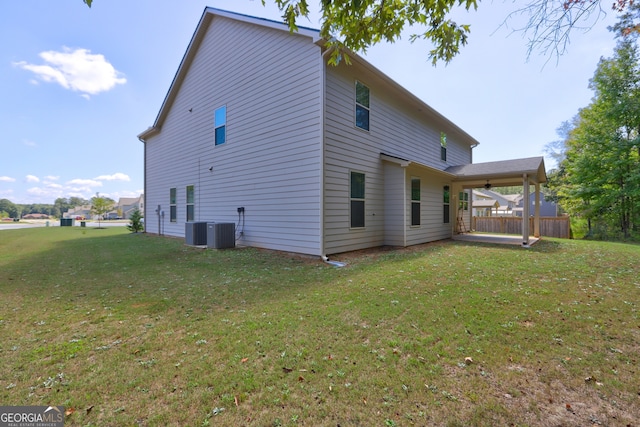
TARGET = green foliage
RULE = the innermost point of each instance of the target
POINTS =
(357, 25)
(360, 24)
(8, 207)
(599, 177)
(136, 225)
(100, 206)
(62, 204)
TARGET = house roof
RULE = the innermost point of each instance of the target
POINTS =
(476, 175)
(485, 203)
(500, 173)
(123, 201)
(404, 163)
(394, 89)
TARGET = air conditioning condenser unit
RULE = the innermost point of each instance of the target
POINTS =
(221, 235)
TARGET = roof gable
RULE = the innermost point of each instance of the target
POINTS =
(407, 98)
(207, 17)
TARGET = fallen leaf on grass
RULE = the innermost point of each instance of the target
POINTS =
(69, 411)
(286, 370)
(244, 360)
(89, 409)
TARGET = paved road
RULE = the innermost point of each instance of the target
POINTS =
(56, 223)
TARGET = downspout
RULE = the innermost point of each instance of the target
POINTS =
(323, 77)
(536, 215)
(471, 154)
(144, 177)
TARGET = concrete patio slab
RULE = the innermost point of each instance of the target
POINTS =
(499, 239)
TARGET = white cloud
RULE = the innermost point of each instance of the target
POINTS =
(85, 182)
(78, 70)
(37, 191)
(32, 178)
(51, 178)
(7, 179)
(29, 143)
(115, 177)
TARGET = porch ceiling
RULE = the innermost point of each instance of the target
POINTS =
(500, 173)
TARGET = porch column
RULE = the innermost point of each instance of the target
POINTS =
(536, 215)
(525, 211)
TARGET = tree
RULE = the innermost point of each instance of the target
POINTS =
(359, 24)
(601, 170)
(136, 223)
(7, 206)
(100, 206)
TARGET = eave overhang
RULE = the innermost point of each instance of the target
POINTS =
(404, 163)
(500, 173)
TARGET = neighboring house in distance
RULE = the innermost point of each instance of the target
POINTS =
(257, 129)
(127, 205)
(35, 216)
(506, 202)
(83, 211)
(547, 209)
(484, 205)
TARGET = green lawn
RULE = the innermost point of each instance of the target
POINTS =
(137, 330)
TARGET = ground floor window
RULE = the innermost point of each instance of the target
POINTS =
(463, 197)
(173, 211)
(445, 205)
(190, 202)
(357, 200)
(415, 201)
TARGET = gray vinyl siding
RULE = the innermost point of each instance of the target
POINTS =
(394, 130)
(397, 197)
(270, 164)
(432, 226)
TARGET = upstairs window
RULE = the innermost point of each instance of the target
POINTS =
(173, 211)
(220, 125)
(362, 106)
(357, 200)
(190, 202)
(445, 205)
(443, 146)
(415, 201)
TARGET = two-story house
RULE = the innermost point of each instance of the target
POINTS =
(257, 129)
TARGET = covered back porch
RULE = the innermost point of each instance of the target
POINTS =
(526, 172)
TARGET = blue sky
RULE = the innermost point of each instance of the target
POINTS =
(79, 84)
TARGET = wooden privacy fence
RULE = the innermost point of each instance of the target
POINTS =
(549, 226)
